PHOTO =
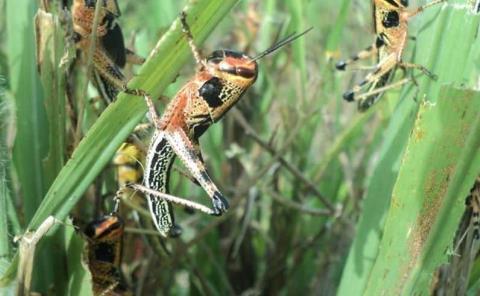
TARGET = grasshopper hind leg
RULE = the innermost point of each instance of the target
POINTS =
(186, 152)
(373, 78)
(156, 176)
(421, 68)
(364, 54)
(383, 83)
(368, 100)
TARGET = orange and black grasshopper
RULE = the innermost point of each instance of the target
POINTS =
(391, 28)
(217, 86)
(473, 202)
(110, 54)
(104, 255)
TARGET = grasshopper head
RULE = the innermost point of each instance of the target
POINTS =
(233, 66)
(109, 5)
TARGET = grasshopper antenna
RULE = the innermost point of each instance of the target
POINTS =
(290, 38)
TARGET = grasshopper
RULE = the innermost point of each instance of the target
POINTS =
(110, 54)
(473, 202)
(221, 80)
(104, 254)
(391, 19)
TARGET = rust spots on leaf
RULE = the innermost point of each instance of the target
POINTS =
(434, 192)
(395, 202)
(418, 134)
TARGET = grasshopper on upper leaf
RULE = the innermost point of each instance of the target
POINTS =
(110, 54)
(222, 78)
(391, 19)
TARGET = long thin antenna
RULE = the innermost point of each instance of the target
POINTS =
(285, 41)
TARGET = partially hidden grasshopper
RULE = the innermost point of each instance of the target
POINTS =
(390, 18)
(217, 86)
(104, 255)
(473, 202)
(110, 54)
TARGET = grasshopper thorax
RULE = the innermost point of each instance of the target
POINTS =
(106, 228)
(232, 66)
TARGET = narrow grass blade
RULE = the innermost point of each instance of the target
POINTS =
(365, 245)
(336, 34)
(32, 136)
(4, 188)
(80, 279)
(49, 37)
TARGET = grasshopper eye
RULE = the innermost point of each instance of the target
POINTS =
(391, 19)
(246, 72)
(90, 3)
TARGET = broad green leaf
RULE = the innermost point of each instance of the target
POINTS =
(438, 168)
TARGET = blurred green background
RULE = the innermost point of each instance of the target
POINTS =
(324, 200)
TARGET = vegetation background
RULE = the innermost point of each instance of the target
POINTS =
(324, 200)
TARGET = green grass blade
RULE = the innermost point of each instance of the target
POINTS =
(365, 245)
(31, 137)
(80, 280)
(4, 196)
(298, 24)
(440, 165)
(4, 187)
(119, 119)
(10, 289)
(336, 35)
(50, 45)
(50, 49)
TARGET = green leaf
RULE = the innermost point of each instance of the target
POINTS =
(80, 279)
(50, 37)
(32, 132)
(440, 165)
(5, 196)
